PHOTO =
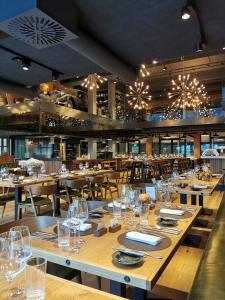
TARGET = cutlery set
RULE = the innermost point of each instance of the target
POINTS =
(137, 252)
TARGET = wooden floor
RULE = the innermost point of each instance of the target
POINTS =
(176, 280)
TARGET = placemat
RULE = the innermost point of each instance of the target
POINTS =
(186, 215)
(165, 243)
(83, 233)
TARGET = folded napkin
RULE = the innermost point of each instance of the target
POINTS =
(168, 211)
(83, 226)
(198, 186)
(123, 206)
(143, 238)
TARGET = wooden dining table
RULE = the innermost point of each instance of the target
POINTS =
(187, 190)
(18, 186)
(95, 255)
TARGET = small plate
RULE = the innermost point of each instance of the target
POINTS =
(126, 259)
(95, 215)
(166, 221)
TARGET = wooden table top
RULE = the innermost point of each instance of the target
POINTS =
(72, 175)
(95, 255)
(58, 289)
(187, 190)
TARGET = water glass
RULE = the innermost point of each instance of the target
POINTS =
(144, 214)
(35, 278)
(117, 208)
(63, 234)
(26, 238)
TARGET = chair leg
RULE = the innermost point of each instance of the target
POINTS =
(3, 210)
(79, 278)
(18, 212)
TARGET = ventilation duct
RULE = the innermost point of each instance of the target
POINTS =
(42, 24)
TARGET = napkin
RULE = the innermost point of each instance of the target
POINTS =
(85, 226)
(123, 206)
(143, 238)
(197, 186)
(168, 211)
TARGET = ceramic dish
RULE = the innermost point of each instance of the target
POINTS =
(126, 259)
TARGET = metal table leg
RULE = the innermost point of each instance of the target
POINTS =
(183, 198)
(57, 202)
(18, 199)
(200, 199)
(193, 199)
(117, 288)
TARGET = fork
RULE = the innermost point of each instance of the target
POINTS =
(127, 250)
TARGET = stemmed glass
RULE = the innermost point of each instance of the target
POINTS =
(11, 257)
(81, 166)
(27, 251)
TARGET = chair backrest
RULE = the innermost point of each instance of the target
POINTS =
(43, 190)
(92, 204)
(76, 183)
(113, 175)
(99, 179)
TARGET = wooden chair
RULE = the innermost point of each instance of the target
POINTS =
(96, 186)
(137, 172)
(4, 198)
(112, 183)
(76, 188)
(38, 196)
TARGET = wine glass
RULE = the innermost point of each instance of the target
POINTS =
(86, 164)
(81, 166)
(11, 254)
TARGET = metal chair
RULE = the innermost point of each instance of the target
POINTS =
(38, 196)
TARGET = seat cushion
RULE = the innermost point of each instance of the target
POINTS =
(38, 201)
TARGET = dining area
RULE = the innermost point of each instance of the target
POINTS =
(121, 234)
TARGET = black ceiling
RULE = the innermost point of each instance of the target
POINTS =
(135, 31)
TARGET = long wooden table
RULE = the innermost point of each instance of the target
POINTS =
(18, 187)
(58, 289)
(188, 190)
(95, 257)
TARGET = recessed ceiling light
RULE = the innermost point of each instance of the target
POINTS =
(165, 68)
(25, 64)
(185, 13)
(223, 48)
(154, 62)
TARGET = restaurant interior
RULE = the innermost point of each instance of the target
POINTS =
(112, 149)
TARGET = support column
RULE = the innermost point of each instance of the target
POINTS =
(197, 145)
(112, 110)
(92, 148)
(92, 105)
(92, 109)
(112, 99)
(149, 144)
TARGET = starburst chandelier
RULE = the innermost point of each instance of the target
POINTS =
(93, 81)
(138, 95)
(189, 93)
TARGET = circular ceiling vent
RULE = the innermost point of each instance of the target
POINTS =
(37, 31)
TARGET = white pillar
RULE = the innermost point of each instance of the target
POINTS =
(92, 109)
(92, 105)
(92, 148)
(112, 99)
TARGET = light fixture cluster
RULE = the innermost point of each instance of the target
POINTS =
(189, 93)
(138, 95)
(143, 71)
(93, 81)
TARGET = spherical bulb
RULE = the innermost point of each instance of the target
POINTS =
(185, 13)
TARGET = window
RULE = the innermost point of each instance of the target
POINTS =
(4, 146)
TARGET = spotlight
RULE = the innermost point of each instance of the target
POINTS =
(154, 62)
(185, 13)
(200, 46)
(223, 48)
(164, 68)
(25, 64)
(55, 75)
